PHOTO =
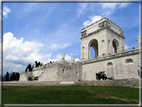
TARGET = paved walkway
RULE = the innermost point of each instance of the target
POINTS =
(36, 83)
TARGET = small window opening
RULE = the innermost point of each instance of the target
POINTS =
(77, 73)
(63, 71)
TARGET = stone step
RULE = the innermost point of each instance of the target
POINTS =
(68, 82)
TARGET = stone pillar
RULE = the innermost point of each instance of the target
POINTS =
(139, 41)
(63, 56)
(73, 58)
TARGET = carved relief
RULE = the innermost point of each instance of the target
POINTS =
(84, 33)
(104, 24)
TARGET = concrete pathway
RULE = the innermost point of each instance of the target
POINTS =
(35, 83)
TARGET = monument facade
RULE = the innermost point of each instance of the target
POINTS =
(107, 40)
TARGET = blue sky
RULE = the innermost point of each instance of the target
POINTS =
(43, 31)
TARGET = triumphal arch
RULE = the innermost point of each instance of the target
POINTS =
(104, 36)
(107, 40)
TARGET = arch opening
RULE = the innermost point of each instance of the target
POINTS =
(93, 47)
(115, 45)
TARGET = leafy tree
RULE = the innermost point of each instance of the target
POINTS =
(12, 77)
(7, 76)
(17, 75)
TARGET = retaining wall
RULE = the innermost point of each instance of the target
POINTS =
(123, 83)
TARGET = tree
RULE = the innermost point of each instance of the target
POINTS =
(28, 67)
(7, 76)
(38, 64)
(17, 75)
(12, 77)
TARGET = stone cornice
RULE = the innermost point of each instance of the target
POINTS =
(100, 30)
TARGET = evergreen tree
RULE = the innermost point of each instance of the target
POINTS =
(12, 77)
(17, 75)
(7, 76)
(38, 64)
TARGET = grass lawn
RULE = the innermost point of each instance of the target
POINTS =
(70, 95)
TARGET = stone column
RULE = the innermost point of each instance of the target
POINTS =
(63, 56)
(73, 58)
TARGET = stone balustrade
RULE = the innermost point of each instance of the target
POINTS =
(112, 55)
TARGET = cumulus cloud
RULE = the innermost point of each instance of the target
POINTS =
(18, 51)
(92, 20)
(59, 46)
(6, 10)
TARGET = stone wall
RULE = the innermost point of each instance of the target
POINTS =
(23, 76)
(69, 72)
(113, 66)
(123, 83)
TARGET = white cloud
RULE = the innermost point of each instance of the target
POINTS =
(76, 59)
(86, 23)
(19, 51)
(113, 5)
(82, 6)
(109, 8)
(92, 20)
(127, 47)
(95, 18)
(6, 10)
(67, 57)
(18, 65)
(123, 5)
(59, 46)
(108, 5)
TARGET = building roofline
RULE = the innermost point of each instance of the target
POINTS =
(100, 20)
